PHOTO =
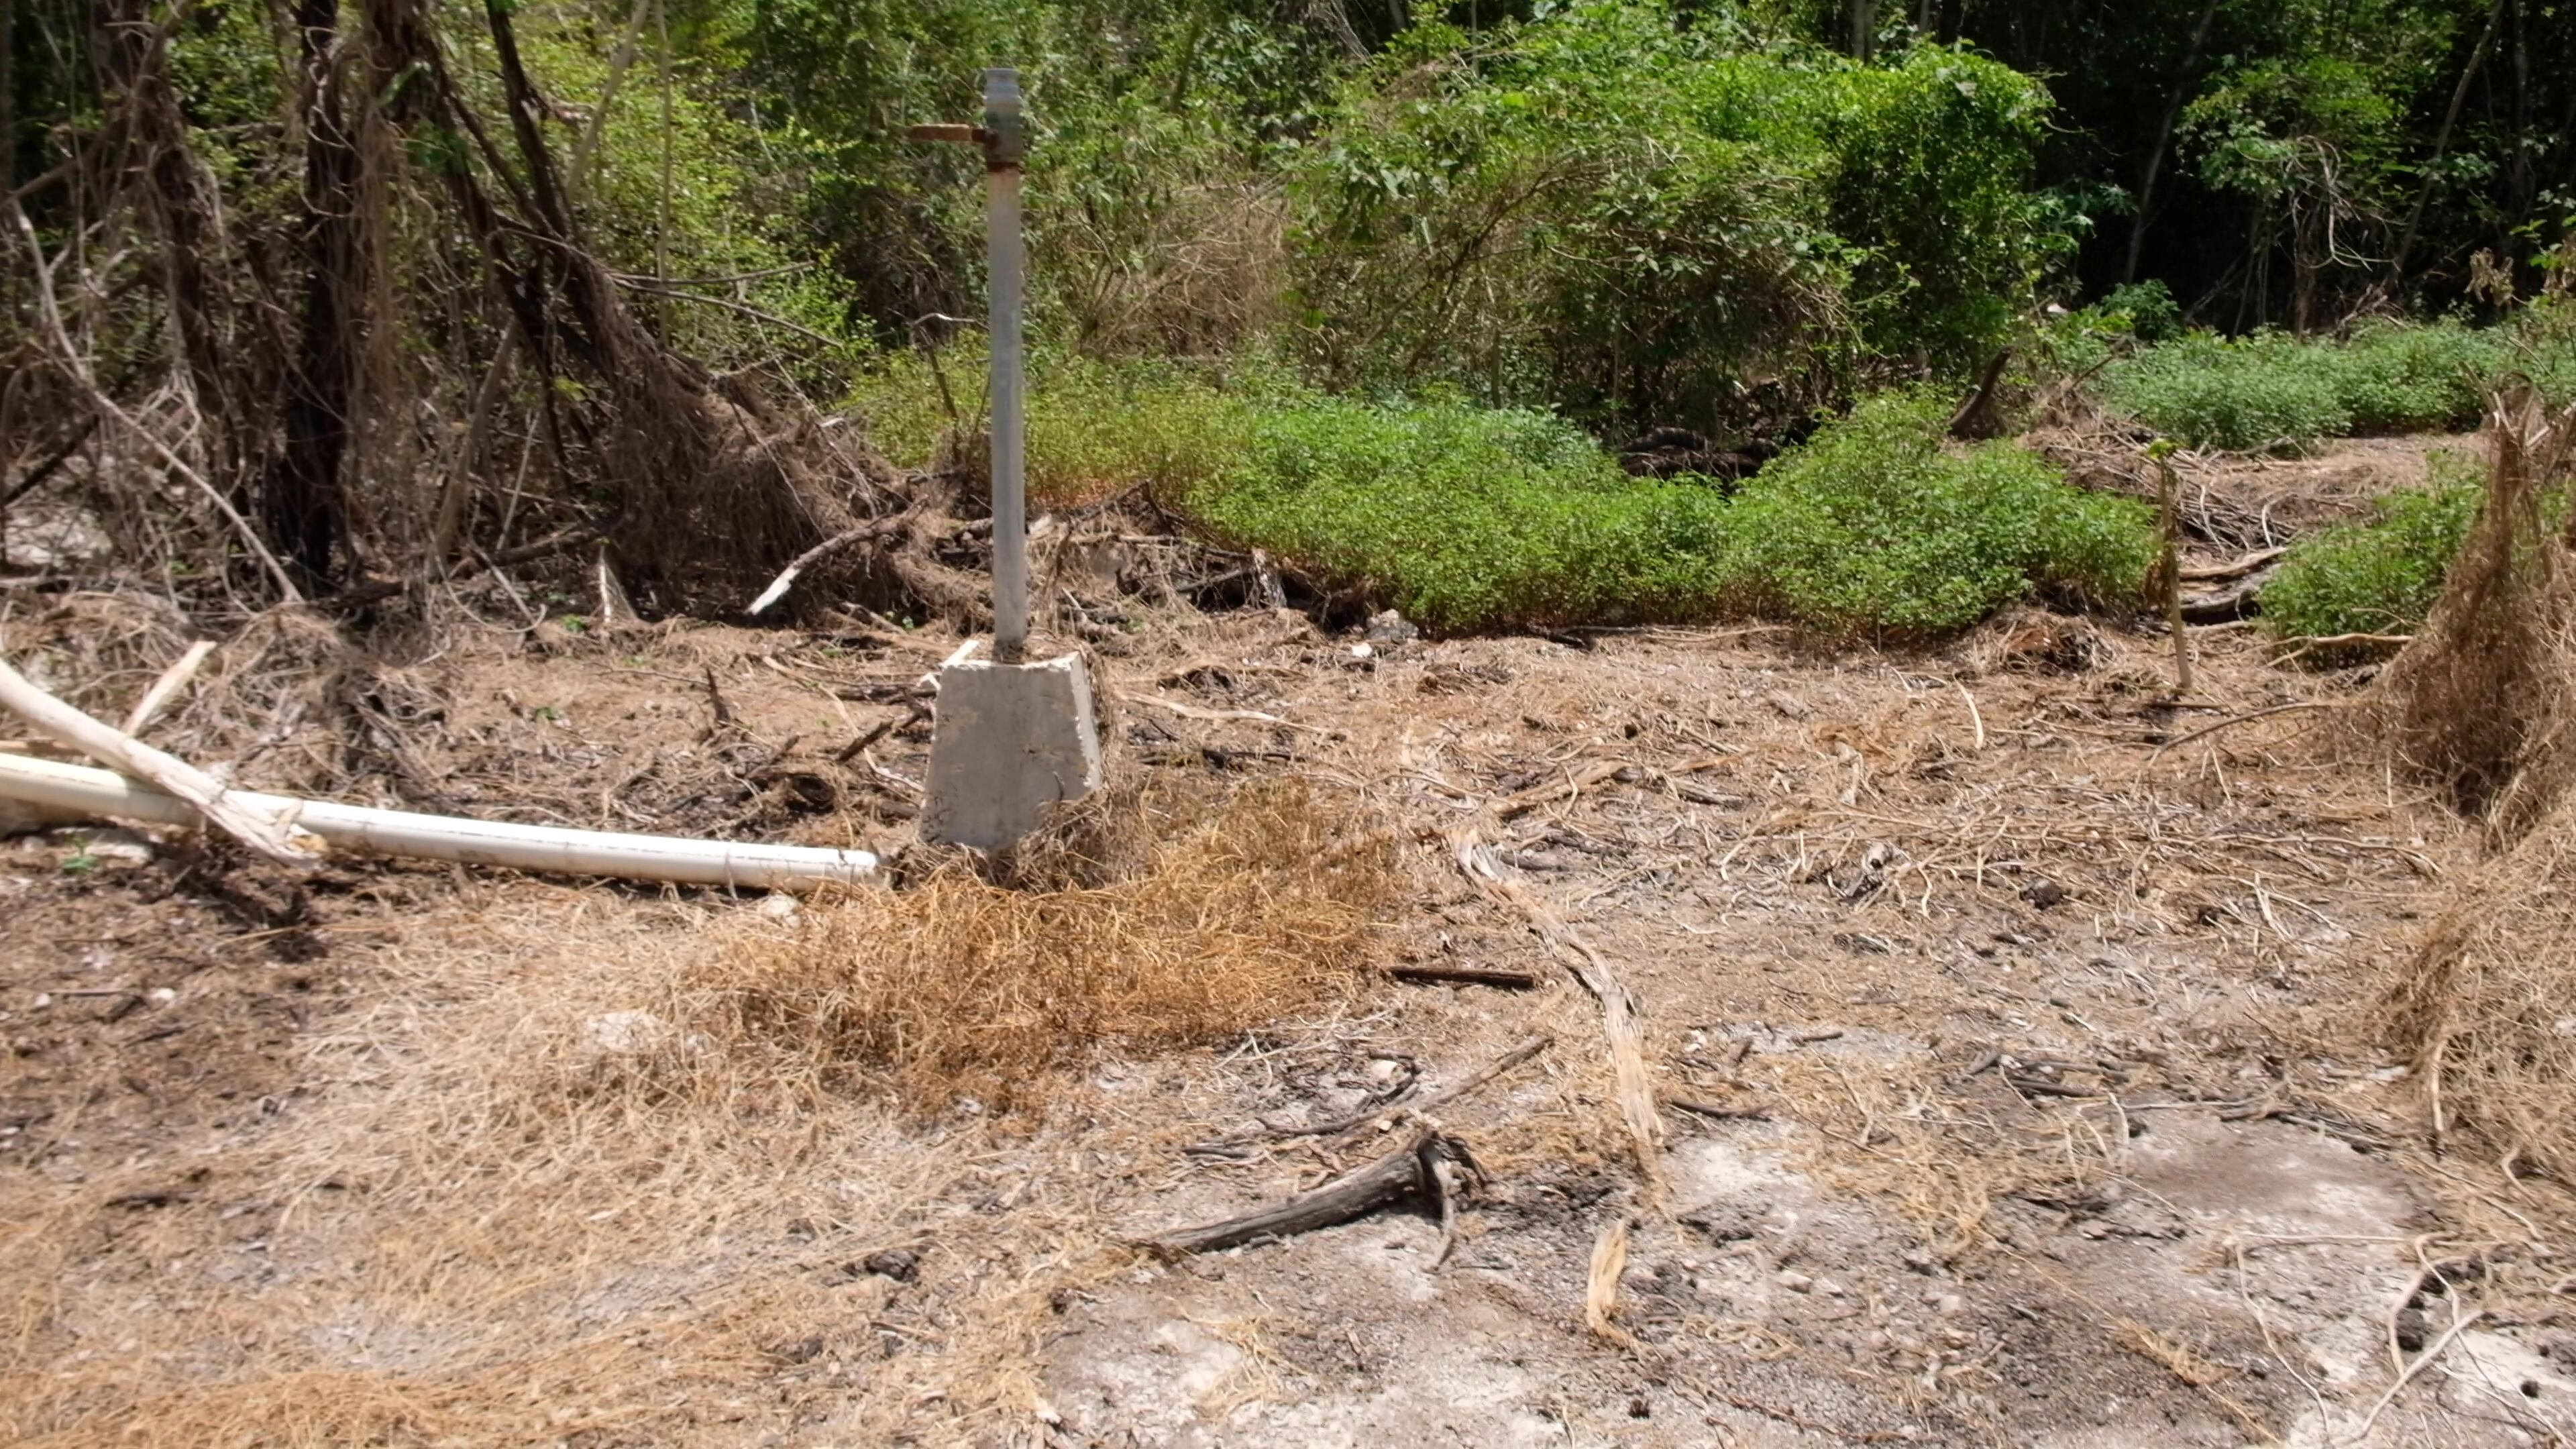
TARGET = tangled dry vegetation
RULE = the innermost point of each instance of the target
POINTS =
(2481, 706)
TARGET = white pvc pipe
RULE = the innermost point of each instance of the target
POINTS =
(441, 837)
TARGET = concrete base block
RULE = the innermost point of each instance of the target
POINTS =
(1008, 740)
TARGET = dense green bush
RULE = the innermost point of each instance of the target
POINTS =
(1632, 217)
(2382, 575)
(1462, 517)
(1471, 518)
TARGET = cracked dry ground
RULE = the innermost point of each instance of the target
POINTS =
(2030, 1096)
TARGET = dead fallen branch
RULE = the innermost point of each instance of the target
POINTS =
(1702, 1107)
(1249, 716)
(778, 587)
(1620, 1019)
(2422, 1361)
(2226, 604)
(1526, 1048)
(1601, 1284)
(2305, 643)
(1411, 1172)
(1567, 789)
(172, 680)
(2239, 568)
(2205, 730)
(264, 831)
(1502, 976)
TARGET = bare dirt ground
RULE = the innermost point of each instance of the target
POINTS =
(2010, 1033)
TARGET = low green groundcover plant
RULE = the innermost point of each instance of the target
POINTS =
(2380, 575)
(1876, 525)
(1470, 518)
(2272, 391)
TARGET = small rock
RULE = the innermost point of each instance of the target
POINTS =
(900, 1264)
(2043, 893)
(1389, 629)
(162, 995)
(1950, 1305)
(1831, 1288)
(1919, 1261)
(1795, 1281)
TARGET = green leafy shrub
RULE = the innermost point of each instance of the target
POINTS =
(1629, 215)
(1462, 517)
(2270, 390)
(2145, 310)
(1876, 525)
(2379, 576)
(2263, 391)
(2399, 378)
(1471, 518)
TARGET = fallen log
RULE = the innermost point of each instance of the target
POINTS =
(1411, 1172)
(2231, 603)
(439, 837)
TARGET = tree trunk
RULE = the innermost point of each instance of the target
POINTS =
(8, 96)
(131, 56)
(2164, 141)
(2307, 260)
(2442, 144)
(302, 505)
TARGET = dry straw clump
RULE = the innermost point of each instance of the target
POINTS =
(2481, 705)
(2487, 1007)
(1157, 920)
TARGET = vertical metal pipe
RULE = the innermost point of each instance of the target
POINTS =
(1003, 261)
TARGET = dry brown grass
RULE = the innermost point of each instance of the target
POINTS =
(587, 1167)
(1172, 922)
(263, 700)
(2487, 1007)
